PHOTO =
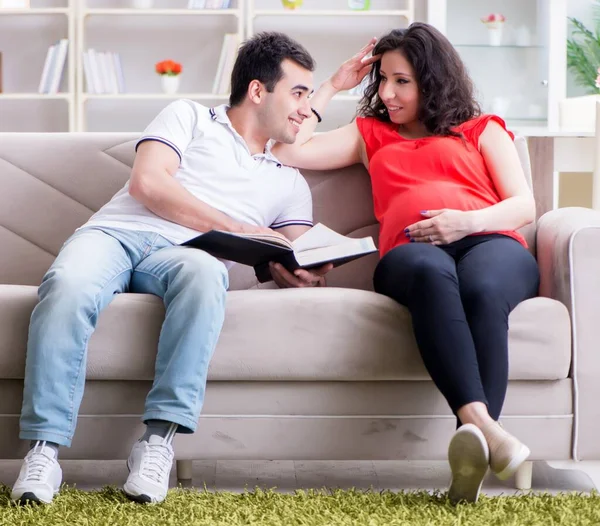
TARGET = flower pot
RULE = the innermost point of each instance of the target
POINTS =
(142, 4)
(169, 83)
(495, 35)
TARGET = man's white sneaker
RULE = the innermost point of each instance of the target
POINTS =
(149, 464)
(40, 476)
(469, 456)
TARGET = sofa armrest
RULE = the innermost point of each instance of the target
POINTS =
(568, 254)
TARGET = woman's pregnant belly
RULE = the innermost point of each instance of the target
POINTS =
(403, 208)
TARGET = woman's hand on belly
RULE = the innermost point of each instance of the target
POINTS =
(441, 227)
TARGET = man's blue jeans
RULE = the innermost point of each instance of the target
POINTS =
(93, 266)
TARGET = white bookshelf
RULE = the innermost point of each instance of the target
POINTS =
(330, 30)
(153, 96)
(143, 37)
(25, 36)
(161, 12)
(406, 13)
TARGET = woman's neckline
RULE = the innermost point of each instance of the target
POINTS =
(397, 130)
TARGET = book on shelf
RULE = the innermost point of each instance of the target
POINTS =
(209, 4)
(54, 65)
(316, 247)
(229, 49)
(103, 72)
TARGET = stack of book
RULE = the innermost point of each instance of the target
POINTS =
(209, 4)
(54, 65)
(103, 72)
(222, 82)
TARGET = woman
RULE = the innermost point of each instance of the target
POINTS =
(449, 193)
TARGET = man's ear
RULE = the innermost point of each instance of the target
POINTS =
(256, 91)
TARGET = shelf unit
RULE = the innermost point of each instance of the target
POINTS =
(115, 25)
(522, 83)
(38, 103)
(155, 100)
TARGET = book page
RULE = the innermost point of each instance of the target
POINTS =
(317, 237)
(265, 238)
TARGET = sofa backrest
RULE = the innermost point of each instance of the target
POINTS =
(50, 184)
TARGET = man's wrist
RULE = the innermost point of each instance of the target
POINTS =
(230, 225)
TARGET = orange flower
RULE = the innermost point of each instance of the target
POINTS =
(168, 67)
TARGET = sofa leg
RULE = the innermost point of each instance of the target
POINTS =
(523, 475)
(184, 472)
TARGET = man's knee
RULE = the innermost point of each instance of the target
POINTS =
(61, 285)
(202, 271)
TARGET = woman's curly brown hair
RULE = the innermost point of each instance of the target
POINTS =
(447, 92)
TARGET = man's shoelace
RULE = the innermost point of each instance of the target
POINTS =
(38, 465)
(157, 461)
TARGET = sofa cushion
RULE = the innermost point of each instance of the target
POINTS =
(293, 334)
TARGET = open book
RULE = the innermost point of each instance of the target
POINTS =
(316, 247)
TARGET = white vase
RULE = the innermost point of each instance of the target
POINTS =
(142, 4)
(169, 83)
(495, 35)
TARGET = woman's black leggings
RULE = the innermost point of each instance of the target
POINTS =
(460, 296)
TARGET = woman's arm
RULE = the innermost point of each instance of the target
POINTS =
(517, 207)
(325, 151)
(338, 148)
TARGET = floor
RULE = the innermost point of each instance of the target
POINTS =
(288, 476)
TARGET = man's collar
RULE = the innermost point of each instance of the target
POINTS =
(219, 114)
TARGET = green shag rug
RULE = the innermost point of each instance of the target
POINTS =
(308, 508)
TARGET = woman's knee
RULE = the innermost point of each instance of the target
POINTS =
(418, 266)
(483, 292)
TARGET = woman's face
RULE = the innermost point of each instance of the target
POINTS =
(398, 88)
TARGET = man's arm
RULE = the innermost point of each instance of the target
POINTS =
(152, 184)
(293, 232)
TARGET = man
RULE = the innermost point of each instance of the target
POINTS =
(196, 169)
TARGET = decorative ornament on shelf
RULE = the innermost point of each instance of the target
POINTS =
(169, 72)
(291, 4)
(494, 23)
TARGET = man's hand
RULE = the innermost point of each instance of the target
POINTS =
(351, 72)
(300, 278)
(443, 227)
(245, 228)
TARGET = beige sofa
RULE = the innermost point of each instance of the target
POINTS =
(330, 373)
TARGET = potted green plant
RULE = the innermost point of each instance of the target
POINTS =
(583, 60)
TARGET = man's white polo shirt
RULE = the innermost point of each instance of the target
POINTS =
(217, 167)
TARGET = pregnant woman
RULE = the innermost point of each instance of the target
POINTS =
(450, 194)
